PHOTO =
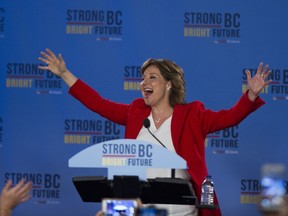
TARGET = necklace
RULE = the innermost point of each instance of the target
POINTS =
(158, 120)
(164, 116)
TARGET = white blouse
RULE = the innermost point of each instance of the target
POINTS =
(163, 133)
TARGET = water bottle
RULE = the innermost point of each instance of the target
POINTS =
(207, 191)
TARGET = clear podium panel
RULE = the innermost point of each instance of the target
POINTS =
(170, 191)
(153, 191)
(92, 188)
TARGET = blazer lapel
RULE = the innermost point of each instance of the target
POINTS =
(137, 120)
(177, 124)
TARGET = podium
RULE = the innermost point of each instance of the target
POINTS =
(127, 161)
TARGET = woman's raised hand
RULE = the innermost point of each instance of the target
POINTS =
(258, 82)
(57, 66)
(53, 63)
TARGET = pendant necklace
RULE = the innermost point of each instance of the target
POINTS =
(158, 120)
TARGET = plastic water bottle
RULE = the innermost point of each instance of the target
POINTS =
(207, 191)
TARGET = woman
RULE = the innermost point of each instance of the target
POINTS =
(182, 126)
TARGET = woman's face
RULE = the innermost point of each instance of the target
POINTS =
(154, 88)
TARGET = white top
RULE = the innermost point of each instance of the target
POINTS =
(163, 133)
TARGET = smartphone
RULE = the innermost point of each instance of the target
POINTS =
(273, 187)
(119, 207)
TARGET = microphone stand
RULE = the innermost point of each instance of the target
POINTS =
(146, 124)
(173, 173)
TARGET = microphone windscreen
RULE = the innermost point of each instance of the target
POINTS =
(146, 123)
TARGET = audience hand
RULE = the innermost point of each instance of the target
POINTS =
(13, 196)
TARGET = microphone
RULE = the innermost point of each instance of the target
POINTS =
(146, 124)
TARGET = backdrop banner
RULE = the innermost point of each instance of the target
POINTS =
(104, 43)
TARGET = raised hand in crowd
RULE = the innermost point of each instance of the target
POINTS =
(12, 196)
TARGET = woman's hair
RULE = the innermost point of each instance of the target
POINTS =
(173, 73)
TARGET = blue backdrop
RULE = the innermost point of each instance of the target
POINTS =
(104, 43)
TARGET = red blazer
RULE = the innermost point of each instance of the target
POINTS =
(190, 125)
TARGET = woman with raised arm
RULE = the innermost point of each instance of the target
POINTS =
(182, 126)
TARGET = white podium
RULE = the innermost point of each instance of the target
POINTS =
(127, 161)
